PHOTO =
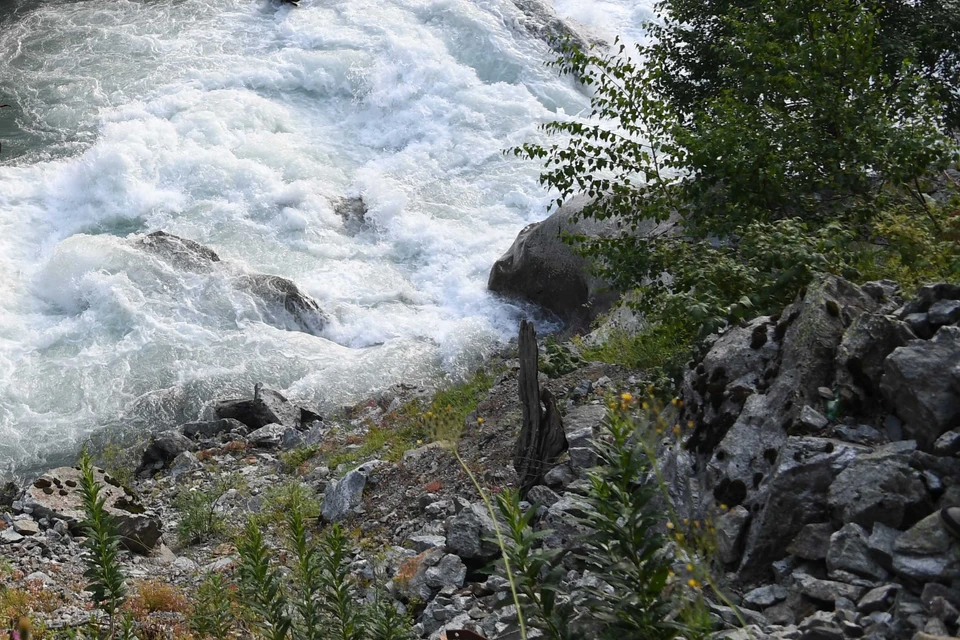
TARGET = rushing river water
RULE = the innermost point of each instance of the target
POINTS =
(239, 124)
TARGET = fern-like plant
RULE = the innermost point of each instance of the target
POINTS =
(261, 584)
(336, 595)
(105, 577)
(212, 615)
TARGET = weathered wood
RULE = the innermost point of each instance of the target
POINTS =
(542, 439)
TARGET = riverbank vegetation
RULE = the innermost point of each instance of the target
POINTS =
(781, 139)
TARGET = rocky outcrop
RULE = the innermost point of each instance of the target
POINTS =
(279, 300)
(267, 407)
(56, 495)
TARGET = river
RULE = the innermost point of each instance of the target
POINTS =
(240, 124)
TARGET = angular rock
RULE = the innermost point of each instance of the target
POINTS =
(162, 450)
(926, 552)
(9, 536)
(543, 496)
(581, 424)
(561, 520)
(796, 494)
(184, 464)
(864, 348)
(948, 444)
(449, 572)
(859, 434)
(813, 541)
(879, 599)
(877, 488)
(468, 534)
(730, 533)
(849, 552)
(813, 421)
(827, 590)
(766, 596)
(881, 542)
(56, 495)
(343, 495)
(267, 437)
(421, 543)
(26, 527)
(944, 312)
(917, 385)
(920, 325)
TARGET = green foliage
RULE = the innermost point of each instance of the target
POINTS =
(738, 167)
(212, 615)
(538, 572)
(559, 359)
(199, 521)
(386, 622)
(105, 577)
(314, 597)
(119, 462)
(660, 351)
(293, 459)
(345, 619)
(261, 584)
(911, 36)
(623, 549)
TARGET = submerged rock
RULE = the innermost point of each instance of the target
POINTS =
(279, 300)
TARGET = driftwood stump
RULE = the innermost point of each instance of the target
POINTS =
(542, 439)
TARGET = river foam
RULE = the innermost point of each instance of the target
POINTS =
(240, 125)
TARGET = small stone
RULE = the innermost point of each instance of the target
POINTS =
(9, 536)
(813, 420)
(825, 392)
(879, 599)
(827, 590)
(766, 596)
(269, 436)
(422, 543)
(948, 444)
(26, 527)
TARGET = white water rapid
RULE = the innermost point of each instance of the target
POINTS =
(239, 124)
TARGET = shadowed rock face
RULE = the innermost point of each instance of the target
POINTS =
(283, 304)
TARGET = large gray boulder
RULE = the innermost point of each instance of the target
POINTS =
(344, 495)
(541, 268)
(919, 386)
(864, 348)
(796, 494)
(927, 553)
(57, 495)
(469, 533)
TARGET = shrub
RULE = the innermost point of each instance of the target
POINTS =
(774, 155)
(152, 596)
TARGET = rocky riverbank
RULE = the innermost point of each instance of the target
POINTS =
(826, 438)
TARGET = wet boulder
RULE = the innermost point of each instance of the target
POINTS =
(56, 495)
(266, 407)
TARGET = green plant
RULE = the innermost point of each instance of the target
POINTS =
(295, 458)
(261, 584)
(559, 360)
(106, 580)
(199, 519)
(767, 176)
(385, 622)
(345, 619)
(212, 615)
